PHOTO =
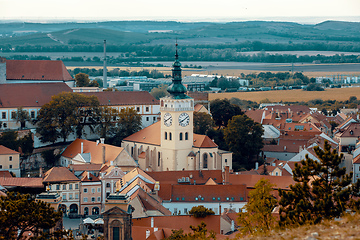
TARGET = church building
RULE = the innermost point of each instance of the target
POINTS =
(170, 144)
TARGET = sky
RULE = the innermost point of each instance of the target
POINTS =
(306, 11)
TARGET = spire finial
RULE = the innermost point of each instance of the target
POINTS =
(176, 52)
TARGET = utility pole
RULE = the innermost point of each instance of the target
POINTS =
(105, 69)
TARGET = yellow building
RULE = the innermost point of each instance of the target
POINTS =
(9, 160)
(171, 145)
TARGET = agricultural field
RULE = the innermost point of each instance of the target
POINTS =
(298, 95)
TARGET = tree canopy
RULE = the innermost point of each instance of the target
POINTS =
(83, 80)
(160, 91)
(222, 111)
(58, 118)
(199, 232)
(201, 211)
(257, 215)
(21, 116)
(20, 214)
(322, 190)
(244, 138)
(202, 123)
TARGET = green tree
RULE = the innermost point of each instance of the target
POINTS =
(107, 121)
(256, 217)
(82, 80)
(200, 232)
(9, 140)
(160, 91)
(201, 211)
(65, 113)
(129, 123)
(322, 190)
(202, 123)
(20, 214)
(244, 138)
(50, 157)
(21, 116)
(222, 111)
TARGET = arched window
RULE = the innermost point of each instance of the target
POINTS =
(170, 136)
(165, 135)
(205, 160)
(181, 136)
(95, 211)
(107, 184)
(186, 136)
(86, 211)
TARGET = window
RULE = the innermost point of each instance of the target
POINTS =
(185, 210)
(64, 187)
(227, 199)
(147, 119)
(218, 198)
(159, 158)
(93, 190)
(154, 119)
(32, 114)
(107, 184)
(147, 109)
(13, 115)
(76, 196)
(177, 199)
(175, 211)
(225, 160)
(10, 158)
(64, 197)
(85, 190)
(181, 136)
(138, 109)
(58, 187)
(92, 199)
(5, 125)
(214, 198)
(3, 115)
(85, 199)
(170, 136)
(107, 194)
(70, 196)
(196, 199)
(183, 199)
(70, 186)
(186, 136)
(205, 160)
(98, 189)
(0, 166)
(98, 199)
(165, 135)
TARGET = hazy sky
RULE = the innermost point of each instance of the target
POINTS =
(181, 10)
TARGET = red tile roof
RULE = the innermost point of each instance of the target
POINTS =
(356, 160)
(353, 130)
(29, 94)
(6, 151)
(5, 174)
(124, 98)
(85, 167)
(59, 174)
(282, 182)
(149, 135)
(21, 182)
(256, 115)
(203, 141)
(84, 177)
(36, 70)
(171, 177)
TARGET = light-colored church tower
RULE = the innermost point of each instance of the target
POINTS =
(176, 123)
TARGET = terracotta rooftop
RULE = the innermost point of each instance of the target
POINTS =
(36, 70)
(5, 151)
(352, 130)
(149, 135)
(59, 174)
(85, 167)
(197, 107)
(282, 182)
(356, 160)
(95, 149)
(256, 115)
(5, 174)
(171, 177)
(281, 148)
(124, 98)
(84, 177)
(21, 182)
(203, 141)
(29, 94)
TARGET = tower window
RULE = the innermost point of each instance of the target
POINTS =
(165, 135)
(181, 136)
(159, 159)
(205, 160)
(186, 136)
(170, 136)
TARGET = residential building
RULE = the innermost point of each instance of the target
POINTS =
(67, 185)
(10, 160)
(34, 71)
(90, 194)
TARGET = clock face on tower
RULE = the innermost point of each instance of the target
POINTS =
(167, 119)
(184, 119)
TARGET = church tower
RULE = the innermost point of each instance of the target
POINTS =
(176, 123)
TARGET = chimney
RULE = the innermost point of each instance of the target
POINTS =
(256, 165)
(82, 148)
(88, 175)
(111, 163)
(97, 142)
(40, 172)
(105, 69)
(102, 140)
(284, 148)
(226, 175)
(103, 154)
(152, 222)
